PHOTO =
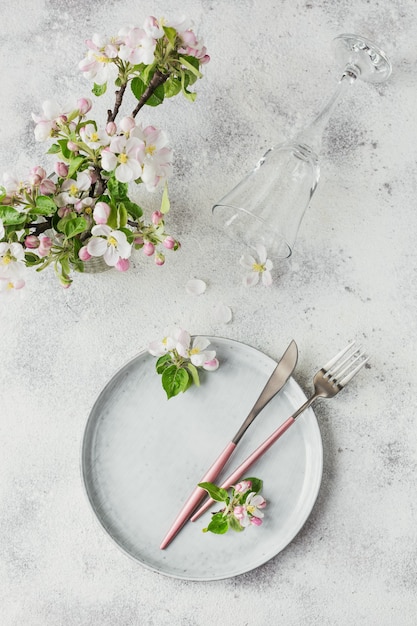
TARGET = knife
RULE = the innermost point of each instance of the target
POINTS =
(277, 380)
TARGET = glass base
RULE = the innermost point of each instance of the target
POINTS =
(248, 231)
(363, 55)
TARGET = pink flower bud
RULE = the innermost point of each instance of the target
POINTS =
(36, 176)
(64, 210)
(148, 248)
(159, 259)
(61, 169)
(101, 213)
(45, 246)
(31, 241)
(211, 366)
(127, 124)
(156, 217)
(61, 120)
(243, 486)
(122, 265)
(84, 105)
(47, 187)
(111, 129)
(239, 512)
(72, 146)
(84, 254)
(256, 521)
(138, 241)
(169, 242)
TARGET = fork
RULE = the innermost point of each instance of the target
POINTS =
(328, 381)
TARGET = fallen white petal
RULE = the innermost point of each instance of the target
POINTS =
(195, 287)
(223, 314)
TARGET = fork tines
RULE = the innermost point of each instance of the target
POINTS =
(346, 364)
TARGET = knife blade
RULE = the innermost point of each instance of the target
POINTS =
(275, 383)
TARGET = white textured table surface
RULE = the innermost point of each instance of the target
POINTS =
(353, 276)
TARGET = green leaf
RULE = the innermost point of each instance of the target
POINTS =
(189, 63)
(184, 84)
(163, 362)
(216, 493)
(138, 88)
(147, 73)
(72, 226)
(3, 192)
(67, 154)
(99, 90)
(234, 524)
(11, 217)
(194, 374)
(171, 35)
(116, 189)
(174, 380)
(74, 165)
(54, 149)
(44, 206)
(218, 524)
(172, 86)
(132, 208)
(165, 203)
(118, 216)
(32, 259)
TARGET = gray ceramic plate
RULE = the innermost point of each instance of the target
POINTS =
(143, 454)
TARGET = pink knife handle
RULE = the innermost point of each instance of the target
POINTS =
(240, 471)
(198, 494)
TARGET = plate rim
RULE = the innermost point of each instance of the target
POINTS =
(142, 563)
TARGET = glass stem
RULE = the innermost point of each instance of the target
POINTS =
(312, 135)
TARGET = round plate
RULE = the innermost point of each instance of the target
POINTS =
(142, 456)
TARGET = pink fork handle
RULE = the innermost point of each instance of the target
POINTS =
(240, 471)
(198, 494)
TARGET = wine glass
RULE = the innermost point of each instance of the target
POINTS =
(267, 206)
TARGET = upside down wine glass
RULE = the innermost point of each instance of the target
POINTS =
(267, 206)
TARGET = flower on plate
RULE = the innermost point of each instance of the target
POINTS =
(174, 339)
(260, 267)
(112, 245)
(198, 354)
(249, 512)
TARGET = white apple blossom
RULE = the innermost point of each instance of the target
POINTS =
(261, 267)
(94, 138)
(197, 353)
(156, 156)
(174, 339)
(47, 122)
(72, 188)
(124, 156)
(12, 257)
(137, 47)
(98, 64)
(111, 244)
(249, 512)
(9, 285)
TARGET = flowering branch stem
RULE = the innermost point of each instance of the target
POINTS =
(157, 79)
(111, 115)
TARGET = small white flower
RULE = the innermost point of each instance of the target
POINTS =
(112, 245)
(198, 354)
(261, 267)
(72, 189)
(174, 339)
